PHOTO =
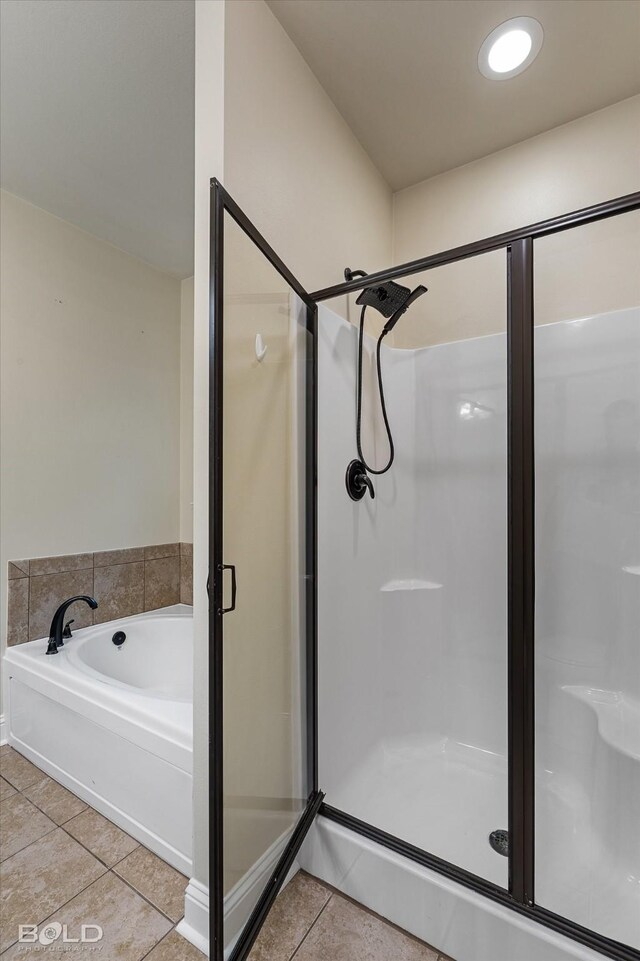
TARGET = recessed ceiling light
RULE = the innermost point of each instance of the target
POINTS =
(510, 48)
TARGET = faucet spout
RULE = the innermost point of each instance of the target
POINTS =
(57, 624)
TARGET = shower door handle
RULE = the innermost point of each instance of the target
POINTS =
(234, 586)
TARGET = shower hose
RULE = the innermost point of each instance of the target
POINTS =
(371, 470)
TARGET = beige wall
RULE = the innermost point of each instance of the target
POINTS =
(209, 162)
(291, 161)
(590, 160)
(90, 393)
(186, 410)
(321, 204)
(305, 181)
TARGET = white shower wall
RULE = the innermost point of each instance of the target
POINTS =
(587, 415)
(412, 603)
(413, 681)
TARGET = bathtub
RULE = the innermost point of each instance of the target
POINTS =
(115, 724)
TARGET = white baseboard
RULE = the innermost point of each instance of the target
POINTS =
(195, 923)
(3, 729)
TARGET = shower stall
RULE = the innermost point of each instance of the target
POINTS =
(442, 682)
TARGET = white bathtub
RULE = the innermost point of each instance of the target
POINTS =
(115, 725)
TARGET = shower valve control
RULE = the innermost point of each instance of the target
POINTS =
(358, 481)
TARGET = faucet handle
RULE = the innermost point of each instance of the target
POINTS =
(67, 628)
(358, 481)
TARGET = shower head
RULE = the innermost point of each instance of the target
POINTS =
(392, 300)
(387, 298)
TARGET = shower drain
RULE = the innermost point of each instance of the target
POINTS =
(499, 841)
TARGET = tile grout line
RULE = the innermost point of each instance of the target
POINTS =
(362, 908)
(48, 777)
(367, 910)
(178, 555)
(35, 841)
(88, 850)
(312, 926)
(139, 893)
(64, 903)
(163, 938)
(110, 869)
(107, 869)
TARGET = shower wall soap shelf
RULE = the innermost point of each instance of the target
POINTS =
(618, 717)
(412, 584)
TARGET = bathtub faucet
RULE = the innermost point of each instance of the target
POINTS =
(56, 631)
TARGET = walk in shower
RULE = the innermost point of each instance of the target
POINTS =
(450, 669)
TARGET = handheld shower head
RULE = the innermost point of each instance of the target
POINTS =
(413, 296)
(391, 300)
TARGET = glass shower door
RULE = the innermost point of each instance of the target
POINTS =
(262, 778)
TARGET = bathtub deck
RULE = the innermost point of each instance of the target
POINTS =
(63, 862)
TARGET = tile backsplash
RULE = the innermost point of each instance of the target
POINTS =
(124, 582)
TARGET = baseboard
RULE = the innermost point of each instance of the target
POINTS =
(3, 729)
(195, 923)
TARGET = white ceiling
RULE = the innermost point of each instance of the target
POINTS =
(97, 96)
(404, 73)
(97, 126)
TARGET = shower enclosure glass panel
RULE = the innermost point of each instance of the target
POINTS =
(587, 436)
(413, 584)
(266, 369)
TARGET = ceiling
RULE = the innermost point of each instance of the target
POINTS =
(404, 73)
(97, 97)
(97, 119)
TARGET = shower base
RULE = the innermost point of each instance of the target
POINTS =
(443, 797)
(447, 798)
(463, 924)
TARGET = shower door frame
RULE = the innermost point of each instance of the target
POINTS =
(519, 247)
(222, 203)
(520, 895)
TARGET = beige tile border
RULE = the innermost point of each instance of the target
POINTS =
(125, 581)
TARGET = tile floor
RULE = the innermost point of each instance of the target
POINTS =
(312, 922)
(63, 862)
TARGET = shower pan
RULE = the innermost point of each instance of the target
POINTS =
(384, 681)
